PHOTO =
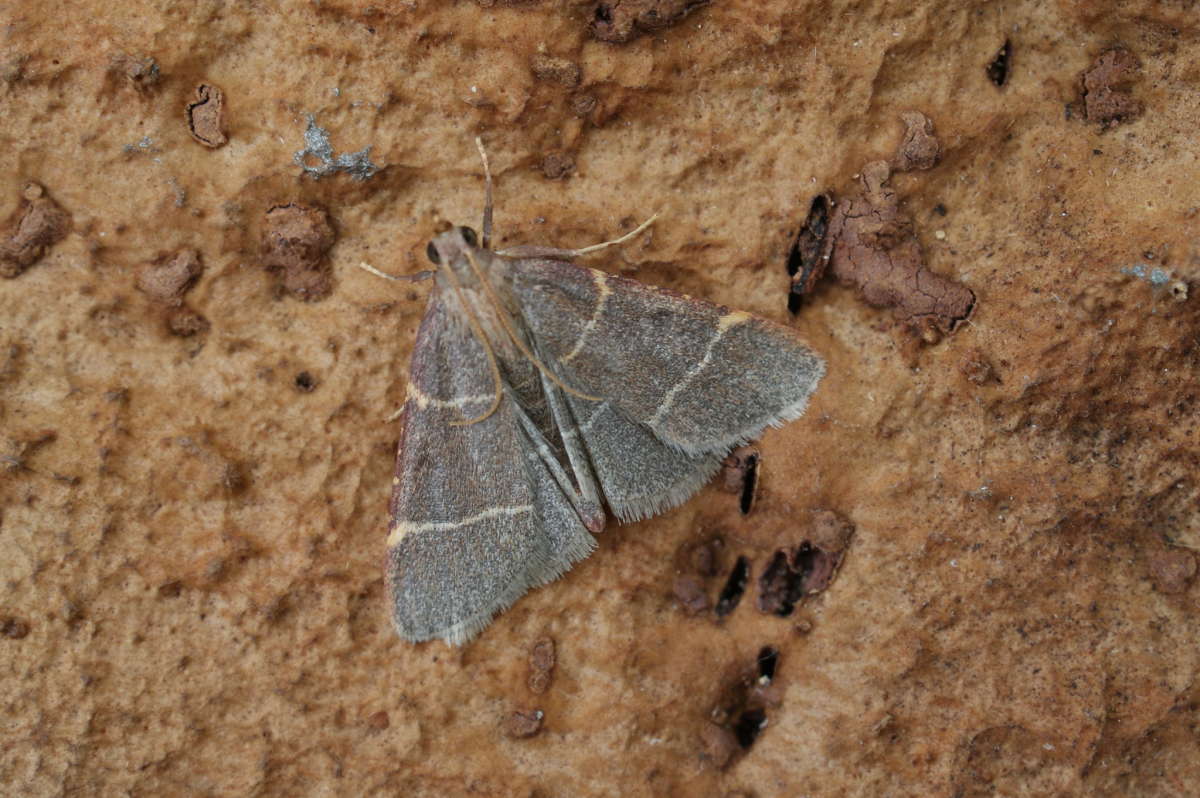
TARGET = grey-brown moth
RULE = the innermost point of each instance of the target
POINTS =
(540, 393)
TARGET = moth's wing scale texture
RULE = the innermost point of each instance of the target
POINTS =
(477, 519)
(700, 377)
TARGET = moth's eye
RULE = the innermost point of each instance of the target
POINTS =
(432, 253)
(469, 236)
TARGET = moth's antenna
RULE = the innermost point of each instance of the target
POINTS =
(502, 315)
(615, 241)
(487, 195)
(477, 329)
(403, 278)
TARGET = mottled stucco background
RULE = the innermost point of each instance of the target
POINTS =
(194, 486)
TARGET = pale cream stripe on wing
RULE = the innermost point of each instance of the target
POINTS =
(404, 528)
(602, 293)
(723, 324)
(424, 400)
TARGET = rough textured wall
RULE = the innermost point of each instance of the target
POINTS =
(196, 466)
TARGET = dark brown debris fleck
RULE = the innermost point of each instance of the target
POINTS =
(1172, 569)
(718, 743)
(378, 721)
(305, 382)
(13, 629)
(206, 116)
(621, 21)
(233, 477)
(690, 594)
(1107, 88)
(875, 250)
(696, 564)
(185, 322)
(38, 223)
(277, 608)
(142, 73)
(17, 450)
(976, 367)
(523, 723)
(583, 104)
(542, 659)
(704, 558)
(556, 70)
(72, 613)
(172, 589)
(294, 242)
(920, 148)
(830, 531)
(167, 280)
(12, 68)
(557, 164)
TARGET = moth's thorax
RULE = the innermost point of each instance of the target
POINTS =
(452, 250)
(489, 264)
(460, 282)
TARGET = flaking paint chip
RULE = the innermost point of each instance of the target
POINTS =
(167, 280)
(38, 223)
(542, 659)
(523, 723)
(295, 239)
(620, 21)
(206, 116)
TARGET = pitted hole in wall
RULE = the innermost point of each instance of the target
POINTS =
(305, 382)
(809, 256)
(1000, 66)
(735, 586)
(749, 485)
(768, 658)
(781, 586)
(748, 726)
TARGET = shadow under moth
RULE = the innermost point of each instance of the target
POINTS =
(542, 391)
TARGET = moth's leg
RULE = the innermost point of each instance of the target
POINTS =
(583, 499)
(534, 251)
(487, 195)
(588, 504)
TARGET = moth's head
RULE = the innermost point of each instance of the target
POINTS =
(446, 249)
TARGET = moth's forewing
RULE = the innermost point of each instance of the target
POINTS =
(476, 518)
(700, 377)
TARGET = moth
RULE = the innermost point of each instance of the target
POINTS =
(542, 392)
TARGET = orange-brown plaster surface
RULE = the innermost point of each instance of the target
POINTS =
(192, 526)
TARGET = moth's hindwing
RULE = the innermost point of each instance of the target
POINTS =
(639, 474)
